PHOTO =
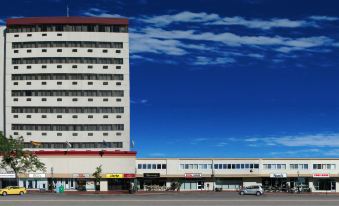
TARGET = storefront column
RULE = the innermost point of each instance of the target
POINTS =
(311, 185)
(336, 185)
(103, 185)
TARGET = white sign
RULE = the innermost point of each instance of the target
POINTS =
(278, 175)
(192, 175)
(320, 175)
(7, 175)
(32, 175)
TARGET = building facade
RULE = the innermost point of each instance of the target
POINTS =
(66, 89)
(315, 175)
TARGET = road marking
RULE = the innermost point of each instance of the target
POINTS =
(195, 200)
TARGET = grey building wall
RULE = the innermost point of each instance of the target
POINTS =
(2, 70)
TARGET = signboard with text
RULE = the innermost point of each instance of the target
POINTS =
(192, 175)
(151, 175)
(278, 175)
(81, 175)
(118, 176)
(321, 175)
(33, 175)
(3, 175)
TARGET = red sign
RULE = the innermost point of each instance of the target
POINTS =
(321, 175)
(129, 175)
(192, 175)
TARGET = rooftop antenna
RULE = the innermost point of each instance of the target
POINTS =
(67, 8)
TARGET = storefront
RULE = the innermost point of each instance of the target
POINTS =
(324, 183)
(34, 181)
(152, 181)
(119, 181)
(7, 179)
(192, 181)
(276, 182)
(228, 184)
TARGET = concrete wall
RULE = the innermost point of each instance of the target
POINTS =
(2, 80)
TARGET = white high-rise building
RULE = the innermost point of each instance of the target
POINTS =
(67, 83)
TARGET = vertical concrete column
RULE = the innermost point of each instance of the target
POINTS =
(311, 185)
(336, 184)
(103, 185)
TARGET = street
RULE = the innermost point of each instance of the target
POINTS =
(167, 199)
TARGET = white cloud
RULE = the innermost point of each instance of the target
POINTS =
(315, 140)
(324, 18)
(259, 23)
(183, 17)
(201, 60)
(96, 12)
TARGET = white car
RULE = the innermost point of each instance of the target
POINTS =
(252, 190)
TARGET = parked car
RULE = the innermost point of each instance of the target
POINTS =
(13, 190)
(252, 190)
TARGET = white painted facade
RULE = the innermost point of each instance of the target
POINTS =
(68, 118)
(2, 81)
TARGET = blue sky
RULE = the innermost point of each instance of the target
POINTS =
(236, 78)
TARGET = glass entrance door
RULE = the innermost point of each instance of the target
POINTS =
(201, 185)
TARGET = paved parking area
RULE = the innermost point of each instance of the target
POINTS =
(167, 199)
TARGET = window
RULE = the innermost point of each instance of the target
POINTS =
(44, 34)
(16, 35)
(28, 83)
(59, 34)
(118, 100)
(43, 83)
(90, 116)
(74, 66)
(15, 83)
(15, 116)
(28, 99)
(105, 51)
(105, 83)
(90, 66)
(105, 134)
(59, 116)
(59, 66)
(16, 67)
(74, 50)
(75, 116)
(105, 100)
(29, 133)
(29, 35)
(28, 116)
(90, 99)
(118, 83)
(59, 83)
(90, 50)
(118, 134)
(43, 66)
(16, 133)
(139, 166)
(15, 99)
(105, 116)
(105, 67)
(74, 83)
(59, 134)
(118, 116)
(44, 50)
(29, 51)
(44, 116)
(90, 83)
(29, 67)
(59, 99)
(75, 99)
(75, 134)
(90, 134)
(118, 51)
(118, 67)
(16, 51)
(59, 50)
(44, 99)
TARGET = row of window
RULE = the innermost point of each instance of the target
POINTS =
(69, 127)
(236, 166)
(324, 166)
(73, 116)
(73, 67)
(58, 145)
(67, 110)
(298, 166)
(73, 99)
(63, 44)
(83, 93)
(65, 76)
(67, 60)
(66, 28)
(59, 134)
(152, 166)
(73, 83)
(16, 51)
(196, 166)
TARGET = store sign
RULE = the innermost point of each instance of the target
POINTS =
(32, 175)
(320, 175)
(152, 175)
(129, 175)
(192, 175)
(278, 175)
(81, 175)
(117, 176)
(6, 175)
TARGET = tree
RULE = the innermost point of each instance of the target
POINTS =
(15, 157)
(97, 176)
